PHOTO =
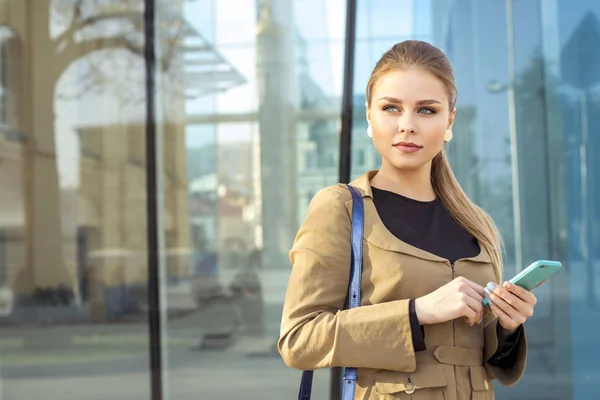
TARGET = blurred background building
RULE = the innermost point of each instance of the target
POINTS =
(247, 125)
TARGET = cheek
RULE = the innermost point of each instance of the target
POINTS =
(433, 133)
(383, 124)
(435, 138)
(382, 136)
(382, 129)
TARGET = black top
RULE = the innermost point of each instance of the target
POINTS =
(429, 226)
(424, 224)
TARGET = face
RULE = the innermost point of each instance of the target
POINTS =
(409, 116)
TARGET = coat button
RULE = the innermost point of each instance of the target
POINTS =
(409, 391)
(486, 384)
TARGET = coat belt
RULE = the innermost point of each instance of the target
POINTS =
(461, 356)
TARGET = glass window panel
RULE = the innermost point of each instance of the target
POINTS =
(239, 169)
(572, 92)
(72, 187)
(523, 151)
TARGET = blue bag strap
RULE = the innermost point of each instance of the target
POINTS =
(305, 385)
(358, 223)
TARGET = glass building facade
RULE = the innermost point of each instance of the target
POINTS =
(158, 156)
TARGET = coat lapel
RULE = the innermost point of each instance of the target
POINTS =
(377, 234)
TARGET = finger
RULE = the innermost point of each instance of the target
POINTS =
(510, 297)
(476, 310)
(505, 321)
(466, 311)
(474, 304)
(468, 314)
(515, 301)
(479, 317)
(474, 320)
(509, 310)
(476, 287)
(472, 293)
(522, 293)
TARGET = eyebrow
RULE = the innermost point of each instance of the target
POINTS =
(420, 102)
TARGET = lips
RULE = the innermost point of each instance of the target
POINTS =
(407, 144)
(408, 147)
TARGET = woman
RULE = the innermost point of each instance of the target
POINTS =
(421, 331)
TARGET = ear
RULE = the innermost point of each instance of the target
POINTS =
(368, 112)
(451, 120)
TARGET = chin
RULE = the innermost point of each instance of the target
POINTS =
(405, 163)
(407, 166)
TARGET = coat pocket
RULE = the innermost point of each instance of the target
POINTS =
(480, 384)
(426, 383)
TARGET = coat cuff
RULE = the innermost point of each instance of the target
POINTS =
(510, 373)
(418, 334)
(506, 355)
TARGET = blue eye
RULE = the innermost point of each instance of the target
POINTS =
(390, 108)
(428, 111)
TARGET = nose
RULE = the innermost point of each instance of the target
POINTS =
(406, 125)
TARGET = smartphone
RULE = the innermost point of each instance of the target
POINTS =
(532, 276)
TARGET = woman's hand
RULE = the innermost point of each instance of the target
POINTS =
(512, 304)
(458, 298)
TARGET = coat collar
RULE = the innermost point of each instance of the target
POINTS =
(376, 233)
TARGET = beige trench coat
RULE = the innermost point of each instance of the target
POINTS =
(317, 332)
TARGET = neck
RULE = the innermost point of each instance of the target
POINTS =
(414, 184)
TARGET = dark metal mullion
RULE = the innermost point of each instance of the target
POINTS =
(346, 137)
(348, 95)
(154, 328)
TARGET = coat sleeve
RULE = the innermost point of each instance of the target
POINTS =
(509, 375)
(315, 330)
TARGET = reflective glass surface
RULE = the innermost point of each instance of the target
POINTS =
(523, 150)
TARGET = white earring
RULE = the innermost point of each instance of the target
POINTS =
(369, 131)
(448, 136)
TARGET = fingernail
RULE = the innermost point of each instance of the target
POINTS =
(491, 285)
(507, 285)
(488, 291)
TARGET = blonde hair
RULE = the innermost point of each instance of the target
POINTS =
(472, 218)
